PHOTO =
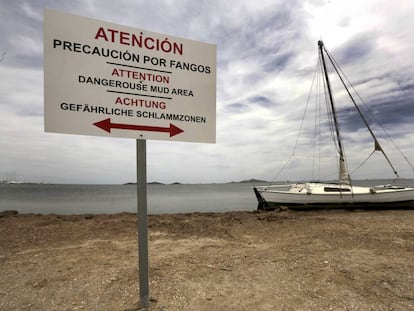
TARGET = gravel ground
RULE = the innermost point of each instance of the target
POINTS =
(314, 260)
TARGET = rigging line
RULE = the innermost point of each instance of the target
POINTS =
(377, 144)
(283, 167)
(320, 89)
(385, 132)
(306, 107)
(331, 101)
(317, 132)
(379, 124)
(330, 115)
(301, 124)
(329, 176)
(343, 171)
(363, 162)
(330, 123)
(332, 130)
(375, 119)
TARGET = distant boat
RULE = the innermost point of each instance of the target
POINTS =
(341, 194)
(12, 182)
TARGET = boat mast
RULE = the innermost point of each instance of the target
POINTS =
(343, 173)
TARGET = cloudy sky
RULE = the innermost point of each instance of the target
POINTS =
(266, 56)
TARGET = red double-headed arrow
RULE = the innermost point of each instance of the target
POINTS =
(106, 125)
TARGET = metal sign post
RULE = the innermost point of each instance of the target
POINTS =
(142, 223)
(104, 79)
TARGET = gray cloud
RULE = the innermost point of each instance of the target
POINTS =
(356, 49)
(266, 53)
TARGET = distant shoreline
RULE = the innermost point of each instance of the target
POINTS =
(178, 183)
(253, 181)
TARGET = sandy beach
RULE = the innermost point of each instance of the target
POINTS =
(315, 260)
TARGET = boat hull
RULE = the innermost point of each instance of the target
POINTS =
(314, 197)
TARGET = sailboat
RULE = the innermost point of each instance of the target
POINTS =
(341, 194)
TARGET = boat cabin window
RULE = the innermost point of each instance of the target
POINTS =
(336, 189)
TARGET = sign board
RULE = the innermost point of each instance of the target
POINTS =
(104, 79)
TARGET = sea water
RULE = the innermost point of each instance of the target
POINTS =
(95, 199)
(111, 199)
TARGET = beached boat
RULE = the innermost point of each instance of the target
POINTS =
(341, 194)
